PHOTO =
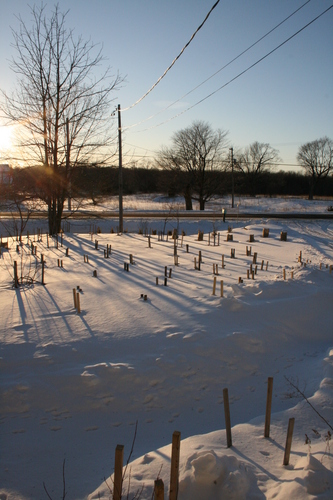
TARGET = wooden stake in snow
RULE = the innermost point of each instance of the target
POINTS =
(16, 283)
(221, 288)
(268, 406)
(43, 271)
(214, 285)
(74, 297)
(118, 472)
(174, 474)
(78, 307)
(288, 441)
(158, 489)
(222, 261)
(227, 417)
(284, 273)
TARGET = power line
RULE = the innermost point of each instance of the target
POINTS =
(241, 73)
(221, 69)
(175, 59)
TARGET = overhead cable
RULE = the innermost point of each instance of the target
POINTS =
(174, 61)
(239, 74)
(221, 69)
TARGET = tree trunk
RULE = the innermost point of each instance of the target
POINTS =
(202, 204)
(188, 198)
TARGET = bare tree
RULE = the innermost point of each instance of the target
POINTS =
(197, 151)
(62, 107)
(256, 159)
(316, 158)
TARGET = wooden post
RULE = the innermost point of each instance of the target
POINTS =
(174, 474)
(170, 272)
(187, 248)
(221, 288)
(262, 265)
(43, 272)
(292, 275)
(266, 265)
(158, 489)
(166, 271)
(118, 472)
(214, 285)
(222, 261)
(74, 297)
(288, 441)
(78, 307)
(156, 280)
(268, 406)
(227, 417)
(284, 273)
(16, 283)
(165, 281)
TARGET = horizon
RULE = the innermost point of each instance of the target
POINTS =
(279, 101)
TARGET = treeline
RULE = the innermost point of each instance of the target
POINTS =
(97, 181)
(94, 182)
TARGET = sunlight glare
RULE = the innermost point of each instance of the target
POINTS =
(6, 134)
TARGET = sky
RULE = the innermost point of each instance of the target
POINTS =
(284, 100)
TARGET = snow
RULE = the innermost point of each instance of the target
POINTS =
(74, 385)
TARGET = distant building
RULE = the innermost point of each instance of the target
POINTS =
(5, 174)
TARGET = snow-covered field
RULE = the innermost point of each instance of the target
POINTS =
(73, 385)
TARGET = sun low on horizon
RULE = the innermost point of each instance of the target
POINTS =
(6, 137)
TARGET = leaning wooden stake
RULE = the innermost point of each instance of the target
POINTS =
(118, 472)
(227, 417)
(288, 441)
(174, 474)
(158, 489)
(268, 406)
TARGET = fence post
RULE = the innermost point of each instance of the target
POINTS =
(118, 472)
(288, 441)
(268, 406)
(227, 417)
(174, 475)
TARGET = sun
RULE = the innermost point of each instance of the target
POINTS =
(6, 137)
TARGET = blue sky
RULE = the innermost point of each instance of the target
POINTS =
(286, 100)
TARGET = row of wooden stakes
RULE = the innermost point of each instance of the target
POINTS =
(118, 477)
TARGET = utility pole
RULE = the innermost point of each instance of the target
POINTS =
(232, 178)
(121, 224)
(68, 173)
